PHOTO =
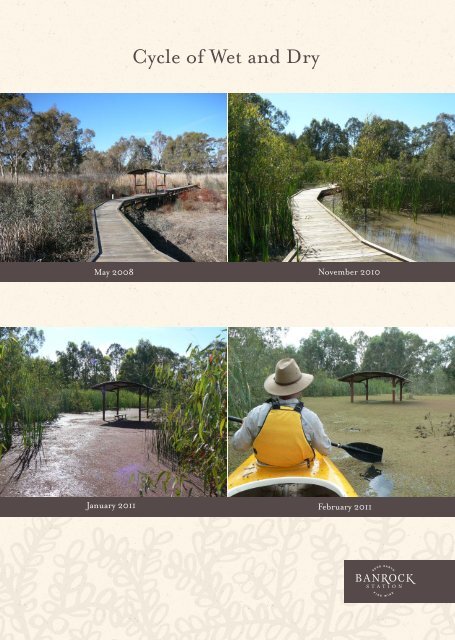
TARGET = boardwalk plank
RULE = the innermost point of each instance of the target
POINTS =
(119, 238)
(323, 237)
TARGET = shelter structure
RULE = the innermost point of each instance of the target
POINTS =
(115, 386)
(148, 181)
(365, 376)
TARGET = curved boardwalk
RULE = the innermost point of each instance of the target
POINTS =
(321, 236)
(119, 239)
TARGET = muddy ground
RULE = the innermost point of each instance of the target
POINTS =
(83, 456)
(195, 225)
(417, 435)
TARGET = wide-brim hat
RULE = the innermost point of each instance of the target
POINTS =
(287, 379)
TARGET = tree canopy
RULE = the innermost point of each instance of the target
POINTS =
(53, 142)
(379, 163)
(254, 352)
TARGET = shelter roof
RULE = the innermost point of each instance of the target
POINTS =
(360, 376)
(140, 172)
(113, 385)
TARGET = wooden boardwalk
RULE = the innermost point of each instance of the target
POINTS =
(118, 238)
(321, 236)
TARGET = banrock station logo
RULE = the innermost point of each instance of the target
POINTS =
(383, 580)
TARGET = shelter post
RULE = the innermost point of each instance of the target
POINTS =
(365, 377)
(115, 387)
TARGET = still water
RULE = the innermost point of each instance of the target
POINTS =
(430, 239)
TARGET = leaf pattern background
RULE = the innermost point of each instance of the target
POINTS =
(209, 578)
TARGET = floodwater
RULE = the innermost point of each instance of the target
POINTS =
(417, 435)
(370, 481)
(83, 456)
(430, 238)
(380, 486)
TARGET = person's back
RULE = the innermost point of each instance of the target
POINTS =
(282, 432)
(282, 442)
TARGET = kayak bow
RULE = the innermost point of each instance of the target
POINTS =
(322, 478)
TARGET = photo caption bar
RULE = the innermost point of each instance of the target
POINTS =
(226, 272)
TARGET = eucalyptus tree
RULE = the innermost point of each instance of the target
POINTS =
(15, 115)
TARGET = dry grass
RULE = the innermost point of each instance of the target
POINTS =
(195, 224)
(45, 219)
(49, 217)
(213, 181)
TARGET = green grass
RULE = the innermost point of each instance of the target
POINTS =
(243, 394)
(393, 189)
(75, 400)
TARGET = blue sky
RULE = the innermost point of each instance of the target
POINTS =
(414, 109)
(112, 115)
(175, 338)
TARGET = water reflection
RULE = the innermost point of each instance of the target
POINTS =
(429, 239)
(381, 486)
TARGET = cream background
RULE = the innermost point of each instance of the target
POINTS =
(209, 578)
(365, 45)
(97, 579)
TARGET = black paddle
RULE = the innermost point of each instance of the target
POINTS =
(361, 450)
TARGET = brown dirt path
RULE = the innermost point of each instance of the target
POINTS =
(82, 456)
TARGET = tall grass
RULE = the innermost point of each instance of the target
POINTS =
(262, 176)
(49, 218)
(260, 220)
(27, 397)
(122, 185)
(27, 414)
(417, 194)
(45, 220)
(214, 181)
(243, 395)
(76, 400)
(392, 188)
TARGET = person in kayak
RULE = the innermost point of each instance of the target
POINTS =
(282, 432)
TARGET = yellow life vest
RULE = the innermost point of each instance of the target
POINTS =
(281, 442)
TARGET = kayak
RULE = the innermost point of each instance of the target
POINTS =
(321, 479)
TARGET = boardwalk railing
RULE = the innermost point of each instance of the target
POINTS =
(118, 239)
(321, 236)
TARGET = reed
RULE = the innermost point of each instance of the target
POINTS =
(161, 444)
(390, 188)
(246, 392)
(44, 221)
(262, 177)
(76, 400)
(28, 399)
